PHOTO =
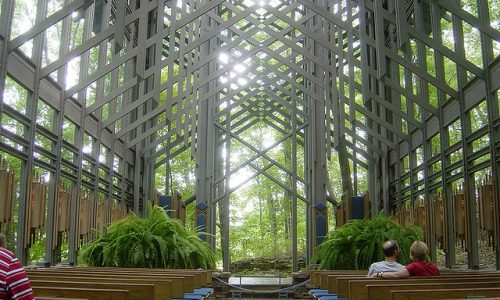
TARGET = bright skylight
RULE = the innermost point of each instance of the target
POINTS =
(242, 81)
(224, 58)
(261, 11)
(240, 68)
(248, 3)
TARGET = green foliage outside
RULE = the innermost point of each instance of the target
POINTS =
(153, 242)
(37, 251)
(358, 244)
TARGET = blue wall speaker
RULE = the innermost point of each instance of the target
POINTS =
(357, 208)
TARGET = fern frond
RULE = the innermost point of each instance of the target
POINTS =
(153, 242)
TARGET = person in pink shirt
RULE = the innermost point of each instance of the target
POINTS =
(418, 267)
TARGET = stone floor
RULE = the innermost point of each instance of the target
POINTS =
(260, 281)
(256, 284)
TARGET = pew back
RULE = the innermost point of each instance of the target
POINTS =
(162, 287)
(378, 292)
(445, 293)
(344, 287)
(177, 284)
(318, 278)
(171, 283)
(136, 291)
(91, 294)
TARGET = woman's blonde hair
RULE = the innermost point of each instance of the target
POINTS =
(418, 250)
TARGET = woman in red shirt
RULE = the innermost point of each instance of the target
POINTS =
(419, 267)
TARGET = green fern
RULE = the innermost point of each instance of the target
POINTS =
(153, 242)
(358, 243)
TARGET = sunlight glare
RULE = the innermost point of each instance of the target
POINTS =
(72, 77)
(46, 177)
(240, 68)
(268, 140)
(242, 81)
(262, 55)
(261, 11)
(224, 58)
(87, 149)
(275, 3)
(248, 3)
(241, 176)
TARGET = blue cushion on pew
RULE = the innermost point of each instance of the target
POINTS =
(316, 291)
(203, 292)
(322, 294)
(329, 297)
(193, 296)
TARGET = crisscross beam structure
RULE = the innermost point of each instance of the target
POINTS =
(140, 82)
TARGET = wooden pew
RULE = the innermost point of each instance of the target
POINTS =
(206, 275)
(322, 278)
(91, 294)
(445, 293)
(136, 291)
(202, 277)
(192, 280)
(318, 277)
(162, 287)
(183, 281)
(347, 284)
(358, 288)
(58, 298)
(333, 287)
(177, 288)
(381, 291)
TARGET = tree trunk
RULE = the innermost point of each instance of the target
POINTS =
(345, 169)
(287, 204)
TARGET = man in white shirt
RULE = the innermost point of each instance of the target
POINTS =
(390, 264)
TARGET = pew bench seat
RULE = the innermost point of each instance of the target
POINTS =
(59, 298)
(466, 293)
(355, 288)
(85, 293)
(174, 284)
(136, 291)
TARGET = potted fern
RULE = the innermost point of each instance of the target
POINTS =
(157, 241)
(358, 243)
